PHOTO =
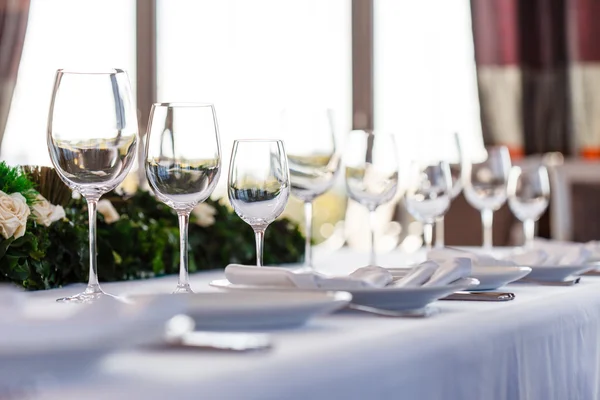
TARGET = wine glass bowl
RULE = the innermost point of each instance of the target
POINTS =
(258, 184)
(313, 159)
(371, 172)
(486, 186)
(92, 141)
(183, 163)
(457, 160)
(428, 194)
(528, 197)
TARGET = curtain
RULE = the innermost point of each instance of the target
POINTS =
(13, 24)
(535, 95)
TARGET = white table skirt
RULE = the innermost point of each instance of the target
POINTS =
(543, 345)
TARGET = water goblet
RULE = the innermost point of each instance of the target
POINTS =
(92, 140)
(428, 194)
(258, 185)
(485, 187)
(528, 197)
(371, 173)
(456, 168)
(183, 164)
(312, 158)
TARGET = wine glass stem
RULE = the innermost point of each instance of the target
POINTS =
(529, 231)
(259, 234)
(487, 220)
(308, 213)
(428, 235)
(372, 225)
(93, 284)
(184, 219)
(439, 232)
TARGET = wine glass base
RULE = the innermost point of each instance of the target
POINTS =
(182, 289)
(92, 293)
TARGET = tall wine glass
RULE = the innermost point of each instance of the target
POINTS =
(92, 141)
(528, 197)
(456, 168)
(313, 159)
(371, 173)
(428, 194)
(183, 164)
(258, 185)
(485, 187)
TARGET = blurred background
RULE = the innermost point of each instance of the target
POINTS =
(523, 74)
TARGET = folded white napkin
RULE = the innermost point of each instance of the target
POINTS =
(542, 254)
(429, 273)
(438, 272)
(366, 277)
(563, 253)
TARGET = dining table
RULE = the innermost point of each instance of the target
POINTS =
(544, 344)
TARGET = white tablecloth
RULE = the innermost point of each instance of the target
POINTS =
(543, 345)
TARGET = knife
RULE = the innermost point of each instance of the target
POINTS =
(480, 296)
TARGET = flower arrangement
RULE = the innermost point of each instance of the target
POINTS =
(44, 234)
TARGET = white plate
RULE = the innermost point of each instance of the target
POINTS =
(44, 339)
(557, 272)
(391, 298)
(490, 278)
(254, 310)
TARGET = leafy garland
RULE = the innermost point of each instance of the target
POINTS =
(142, 243)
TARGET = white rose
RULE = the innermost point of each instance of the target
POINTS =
(109, 212)
(45, 213)
(13, 215)
(205, 214)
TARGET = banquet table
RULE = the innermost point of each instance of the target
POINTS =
(545, 344)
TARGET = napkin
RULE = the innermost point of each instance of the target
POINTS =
(438, 272)
(542, 254)
(564, 253)
(476, 259)
(365, 277)
(428, 273)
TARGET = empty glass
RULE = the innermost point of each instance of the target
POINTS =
(371, 172)
(183, 164)
(485, 186)
(92, 141)
(258, 185)
(428, 195)
(528, 197)
(456, 175)
(312, 157)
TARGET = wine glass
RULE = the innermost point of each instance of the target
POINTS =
(456, 167)
(313, 159)
(258, 185)
(528, 197)
(428, 194)
(92, 141)
(371, 173)
(183, 164)
(485, 187)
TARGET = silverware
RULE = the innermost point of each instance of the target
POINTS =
(569, 282)
(480, 296)
(180, 333)
(593, 272)
(418, 313)
(225, 341)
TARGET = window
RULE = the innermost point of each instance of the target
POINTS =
(425, 82)
(251, 59)
(63, 34)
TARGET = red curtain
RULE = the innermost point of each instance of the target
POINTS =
(13, 24)
(538, 69)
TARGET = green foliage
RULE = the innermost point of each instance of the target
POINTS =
(143, 243)
(12, 180)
